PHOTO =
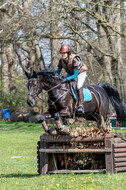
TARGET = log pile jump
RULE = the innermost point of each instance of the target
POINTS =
(89, 152)
(32, 116)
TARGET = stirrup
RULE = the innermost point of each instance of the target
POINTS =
(80, 109)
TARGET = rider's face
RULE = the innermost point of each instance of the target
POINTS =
(64, 55)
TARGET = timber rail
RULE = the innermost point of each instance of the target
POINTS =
(111, 148)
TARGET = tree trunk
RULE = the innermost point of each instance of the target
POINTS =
(35, 57)
(39, 56)
(120, 67)
(12, 70)
(54, 30)
(5, 72)
(123, 50)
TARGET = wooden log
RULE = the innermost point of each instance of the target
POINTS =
(120, 164)
(20, 116)
(34, 118)
(35, 110)
(122, 159)
(16, 116)
(76, 150)
(117, 155)
(120, 145)
(76, 171)
(119, 150)
(26, 117)
(121, 169)
(69, 138)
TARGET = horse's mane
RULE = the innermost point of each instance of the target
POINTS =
(50, 74)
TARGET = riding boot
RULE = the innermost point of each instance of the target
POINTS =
(80, 109)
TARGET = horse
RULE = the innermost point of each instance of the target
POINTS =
(62, 102)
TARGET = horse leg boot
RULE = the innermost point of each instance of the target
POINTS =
(62, 128)
(44, 125)
(80, 109)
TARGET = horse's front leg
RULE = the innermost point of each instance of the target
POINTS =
(43, 119)
(62, 128)
(44, 124)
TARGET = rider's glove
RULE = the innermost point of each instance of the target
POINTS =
(63, 80)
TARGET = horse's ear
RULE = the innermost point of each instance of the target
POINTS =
(27, 74)
(34, 74)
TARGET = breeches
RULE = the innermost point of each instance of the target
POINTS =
(81, 79)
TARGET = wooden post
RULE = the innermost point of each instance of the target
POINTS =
(109, 155)
(43, 160)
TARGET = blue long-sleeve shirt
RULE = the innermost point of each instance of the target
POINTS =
(70, 77)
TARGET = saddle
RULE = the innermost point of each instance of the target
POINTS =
(86, 92)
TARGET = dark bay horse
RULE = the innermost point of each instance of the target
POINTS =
(62, 103)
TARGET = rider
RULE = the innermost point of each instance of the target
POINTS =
(75, 68)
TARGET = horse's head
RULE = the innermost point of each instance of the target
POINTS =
(34, 87)
(45, 79)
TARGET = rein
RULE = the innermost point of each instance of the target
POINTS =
(53, 103)
(54, 87)
(46, 90)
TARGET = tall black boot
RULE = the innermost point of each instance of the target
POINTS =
(80, 109)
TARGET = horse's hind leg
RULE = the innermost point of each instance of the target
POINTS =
(101, 122)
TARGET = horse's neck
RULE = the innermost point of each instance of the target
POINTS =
(48, 86)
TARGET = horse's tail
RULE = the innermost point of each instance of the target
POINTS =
(113, 94)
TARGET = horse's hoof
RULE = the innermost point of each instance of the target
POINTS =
(64, 130)
(53, 131)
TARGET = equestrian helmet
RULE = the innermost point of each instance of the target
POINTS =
(65, 48)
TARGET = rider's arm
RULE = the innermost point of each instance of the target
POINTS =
(59, 70)
(73, 76)
(59, 67)
(75, 68)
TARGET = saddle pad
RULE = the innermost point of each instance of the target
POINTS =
(87, 94)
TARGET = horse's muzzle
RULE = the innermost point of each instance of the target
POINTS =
(31, 101)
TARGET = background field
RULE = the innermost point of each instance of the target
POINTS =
(18, 164)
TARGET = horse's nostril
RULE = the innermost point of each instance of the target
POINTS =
(31, 101)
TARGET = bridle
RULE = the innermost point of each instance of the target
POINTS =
(34, 94)
(46, 92)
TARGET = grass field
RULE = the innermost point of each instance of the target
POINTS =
(18, 164)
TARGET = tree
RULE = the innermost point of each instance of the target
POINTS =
(95, 29)
(104, 42)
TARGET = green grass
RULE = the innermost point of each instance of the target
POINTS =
(18, 164)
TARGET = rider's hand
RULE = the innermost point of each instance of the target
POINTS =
(63, 80)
